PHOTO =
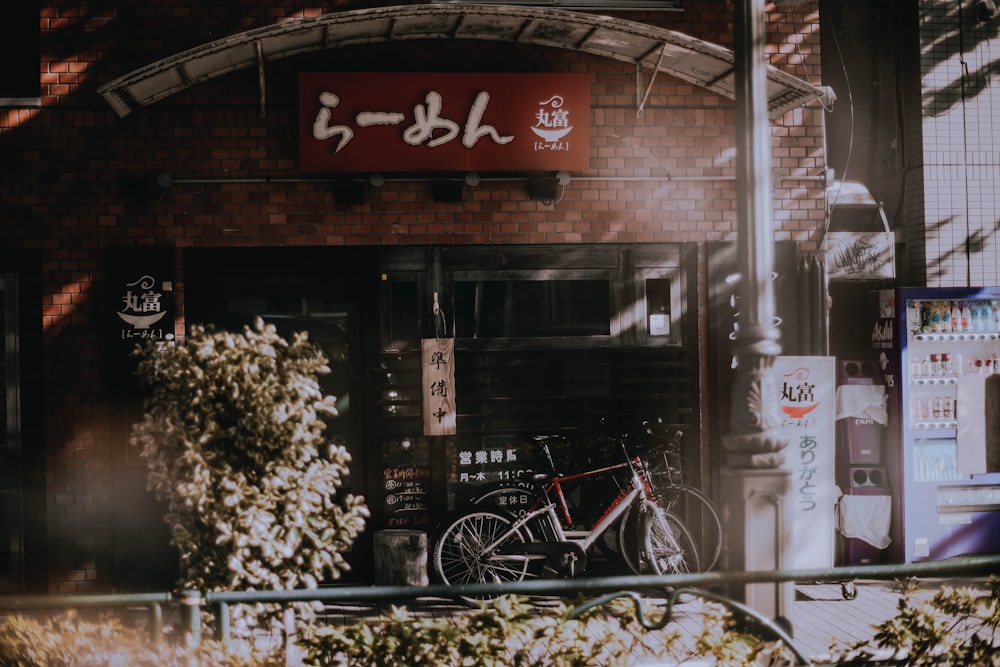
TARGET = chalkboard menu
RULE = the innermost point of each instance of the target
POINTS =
(406, 478)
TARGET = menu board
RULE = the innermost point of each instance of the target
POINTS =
(406, 479)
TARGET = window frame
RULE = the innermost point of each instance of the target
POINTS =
(625, 267)
(515, 275)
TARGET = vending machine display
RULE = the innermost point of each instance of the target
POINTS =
(936, 348)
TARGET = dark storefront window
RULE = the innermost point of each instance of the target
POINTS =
(400, 296)
(20, 53)
(316, 291)
(517, 307)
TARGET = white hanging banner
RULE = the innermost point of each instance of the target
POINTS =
(807, 404)
(860, 256)
(437, 357)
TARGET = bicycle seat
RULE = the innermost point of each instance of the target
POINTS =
(539, 478)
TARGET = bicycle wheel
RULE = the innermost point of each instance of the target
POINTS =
(668, 547)
(461, 556)
(691, 504)
(629, 545)
(700, 517)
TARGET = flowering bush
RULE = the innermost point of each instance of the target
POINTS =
(233, 440)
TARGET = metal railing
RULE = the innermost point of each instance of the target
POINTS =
(189, 603)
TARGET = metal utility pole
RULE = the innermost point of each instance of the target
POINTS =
(754, 484)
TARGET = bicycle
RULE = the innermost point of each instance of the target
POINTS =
(689, 502)
(694, 508)
(485, 544)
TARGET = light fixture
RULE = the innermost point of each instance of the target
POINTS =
(542, 189)
(142, 189)
(376, 180)
(472, 179)
(849, 193)
(348, 193)
(546, 189)
(448, 192)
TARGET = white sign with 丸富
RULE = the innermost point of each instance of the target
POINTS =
(807, 403)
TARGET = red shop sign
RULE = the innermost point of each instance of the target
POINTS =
(443, 122)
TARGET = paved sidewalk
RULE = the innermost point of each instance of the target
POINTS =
(822, 617)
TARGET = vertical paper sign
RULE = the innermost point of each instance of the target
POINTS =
(807, 402)
(437, 356)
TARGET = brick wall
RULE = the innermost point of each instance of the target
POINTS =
(75, 185)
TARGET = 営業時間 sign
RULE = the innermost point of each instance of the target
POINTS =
(443, 122)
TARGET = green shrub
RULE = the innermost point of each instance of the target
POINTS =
(233, 440)
(955, 626)
(67, 640)
(512, 633)
(507, 633)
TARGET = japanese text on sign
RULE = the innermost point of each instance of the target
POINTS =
(406, 495)
(143, 305)
(807, 406)
(437, 358)
(804, 484)
(483, 457)
(350, 122)
(428, 126)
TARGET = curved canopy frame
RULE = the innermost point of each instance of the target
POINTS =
(694, 60)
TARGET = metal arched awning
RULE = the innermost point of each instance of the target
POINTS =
(679, 55)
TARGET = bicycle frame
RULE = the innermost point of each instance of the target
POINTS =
(555, 485)
(584, 538)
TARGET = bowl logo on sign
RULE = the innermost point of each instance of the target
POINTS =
(552, 121)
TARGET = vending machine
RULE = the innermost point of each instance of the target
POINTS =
(939, 354)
